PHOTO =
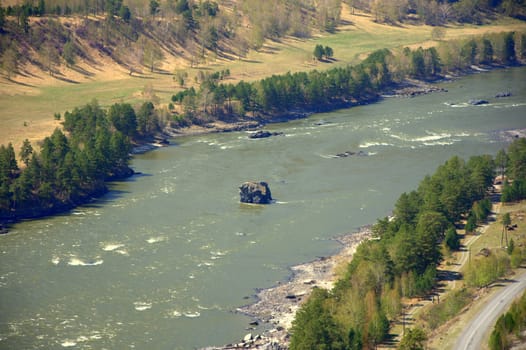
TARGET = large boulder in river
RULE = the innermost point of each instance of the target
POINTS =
(255, 192)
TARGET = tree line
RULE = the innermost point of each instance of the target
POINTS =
(402, 260)
(514, 185)
(509, 327)
(73, 165)
(287, 94)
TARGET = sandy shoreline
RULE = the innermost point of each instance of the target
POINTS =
(277, 305)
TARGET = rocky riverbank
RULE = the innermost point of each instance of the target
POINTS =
(412, 88)
(278, 305)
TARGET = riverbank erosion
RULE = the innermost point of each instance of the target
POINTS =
(277, 306)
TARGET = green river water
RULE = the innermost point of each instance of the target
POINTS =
(165, 259)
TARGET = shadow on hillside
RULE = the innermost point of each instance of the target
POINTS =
(345, 22)
(162, 72)
(141, 76)
(82, 71)
(250, 61)
(230, 56)
(64, 79)
(19, 83)
(271, 50)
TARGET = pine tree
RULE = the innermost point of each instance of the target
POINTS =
(26, 151)
(318, 53)
(509, 55)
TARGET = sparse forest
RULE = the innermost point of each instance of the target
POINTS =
(139, 35)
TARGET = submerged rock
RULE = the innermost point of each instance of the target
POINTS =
(264, 133)
(478, 102)
(350, 153)
(503, 94)
(255, 192)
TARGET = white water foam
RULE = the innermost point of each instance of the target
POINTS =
(372, 144)
(68, 343)
(55, 260)
(157, 239)
(109, 247)
(219, 253)
(168, 189)
(75, 261)
(438, 143)
(328, 156)
(431, 137)
(142, 305)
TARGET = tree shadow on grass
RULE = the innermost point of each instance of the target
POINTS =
(20, 83)
(447, 275)
(82, 71)
(251, 61)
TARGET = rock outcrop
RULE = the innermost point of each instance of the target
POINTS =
(255, 192)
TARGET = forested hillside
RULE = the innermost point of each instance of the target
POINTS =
(153, 35)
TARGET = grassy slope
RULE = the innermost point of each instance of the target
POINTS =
(28, 104)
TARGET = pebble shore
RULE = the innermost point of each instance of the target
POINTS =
(278, 305)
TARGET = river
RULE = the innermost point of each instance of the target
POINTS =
(165, 259)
